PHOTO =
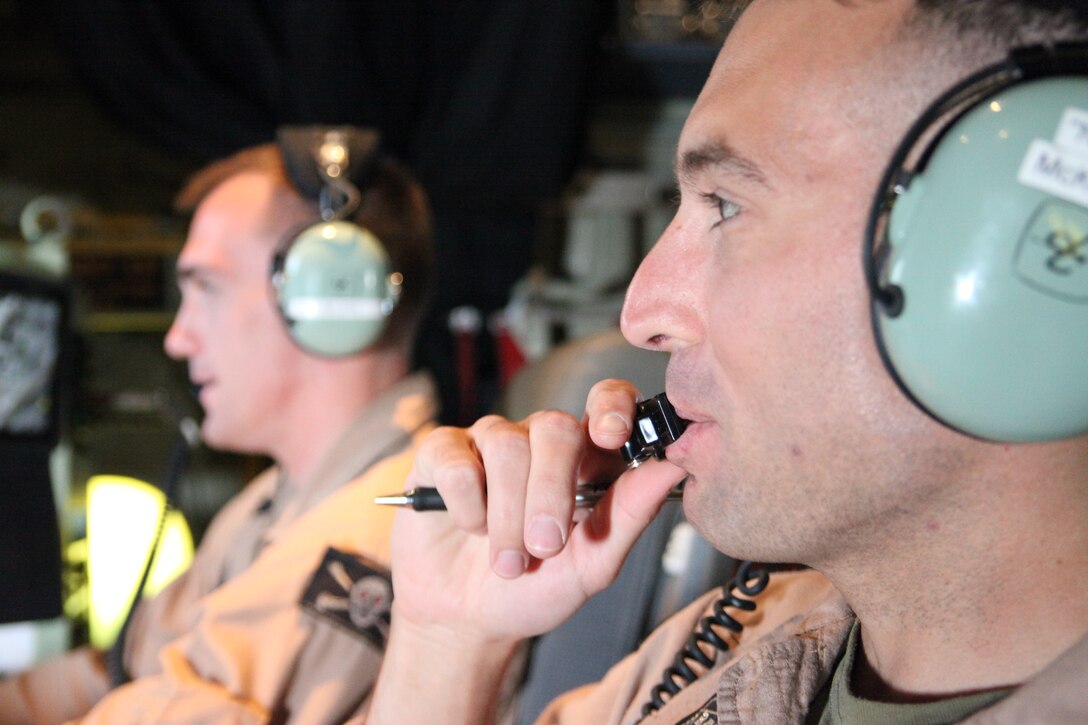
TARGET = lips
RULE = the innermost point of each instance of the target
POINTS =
(201, 389)
(679, 450)
(695, 422)
(197, 379)
(689, 416)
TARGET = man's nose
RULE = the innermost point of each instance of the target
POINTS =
(179, 342)
(662, 307)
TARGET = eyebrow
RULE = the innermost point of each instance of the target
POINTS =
(721, 155)
(189, 272)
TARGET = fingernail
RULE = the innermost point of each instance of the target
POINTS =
(545, 535)
(613, 424)
(509, 564)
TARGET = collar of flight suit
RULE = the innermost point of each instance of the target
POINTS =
(386, 426)
(776, 680)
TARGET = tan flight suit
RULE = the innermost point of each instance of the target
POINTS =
(283, 614)
(788, 650)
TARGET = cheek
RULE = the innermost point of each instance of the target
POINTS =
(256, 339)
(257, 318)
(790, 320)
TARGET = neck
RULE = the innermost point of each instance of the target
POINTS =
(331, 395)
(981, 590)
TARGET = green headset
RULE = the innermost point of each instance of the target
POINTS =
(332, 280)
(976, 252)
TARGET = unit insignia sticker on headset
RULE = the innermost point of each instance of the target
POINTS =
(1052, 255)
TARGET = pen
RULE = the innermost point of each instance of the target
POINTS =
(429, 499)
(656, 426)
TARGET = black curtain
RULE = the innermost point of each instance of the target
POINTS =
(484, 99)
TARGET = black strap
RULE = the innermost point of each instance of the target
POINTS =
(115, 655)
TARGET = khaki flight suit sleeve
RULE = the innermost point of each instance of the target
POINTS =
(254, 652)
(56, 690)
(68, 686)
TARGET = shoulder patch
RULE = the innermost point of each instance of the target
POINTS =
(353, 593)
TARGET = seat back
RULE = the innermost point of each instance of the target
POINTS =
(650, 585)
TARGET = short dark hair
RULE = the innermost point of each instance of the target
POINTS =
(394, 207)
(1004, 24)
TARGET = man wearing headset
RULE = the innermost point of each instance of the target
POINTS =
(285, 606)
(947, 567)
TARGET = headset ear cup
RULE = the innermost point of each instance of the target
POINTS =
(334, 289)
(992, 261)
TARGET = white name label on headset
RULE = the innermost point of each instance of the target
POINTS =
(335, 308)
(1058, 170)
(1073, 130)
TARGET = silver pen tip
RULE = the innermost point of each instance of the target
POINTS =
(394, 500)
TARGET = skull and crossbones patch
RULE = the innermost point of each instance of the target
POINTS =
(353, 593)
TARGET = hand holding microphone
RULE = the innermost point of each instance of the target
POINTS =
(656, 425)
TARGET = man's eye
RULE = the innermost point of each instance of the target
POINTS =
(727, 209)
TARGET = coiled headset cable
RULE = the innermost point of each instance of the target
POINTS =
(706, 643)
